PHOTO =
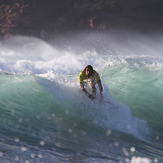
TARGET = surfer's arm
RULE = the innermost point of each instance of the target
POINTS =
(81, 79)
(85, 91)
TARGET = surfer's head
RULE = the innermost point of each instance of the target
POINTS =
(88, 70)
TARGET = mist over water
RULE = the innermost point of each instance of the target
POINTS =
(79, 49)
(128, 124)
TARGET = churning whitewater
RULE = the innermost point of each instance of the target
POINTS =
(45, 117)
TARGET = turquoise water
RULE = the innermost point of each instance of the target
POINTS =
(46, 118)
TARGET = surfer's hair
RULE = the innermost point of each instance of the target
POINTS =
(89, 67)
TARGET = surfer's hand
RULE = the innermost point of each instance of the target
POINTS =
(91, 97)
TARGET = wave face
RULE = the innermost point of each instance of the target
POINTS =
(46, 118)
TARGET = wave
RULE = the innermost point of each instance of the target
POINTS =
(132, 79)
(27, 93)
(40, 96)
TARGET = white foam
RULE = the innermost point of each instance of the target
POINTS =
(135, 159)
(22, 54)
(117, 116)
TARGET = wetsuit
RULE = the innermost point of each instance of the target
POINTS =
(94, 78)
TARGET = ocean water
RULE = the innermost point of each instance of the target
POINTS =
(45, 117)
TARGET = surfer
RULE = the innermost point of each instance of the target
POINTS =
(90, 74)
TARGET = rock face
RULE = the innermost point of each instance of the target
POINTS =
(38, 17)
